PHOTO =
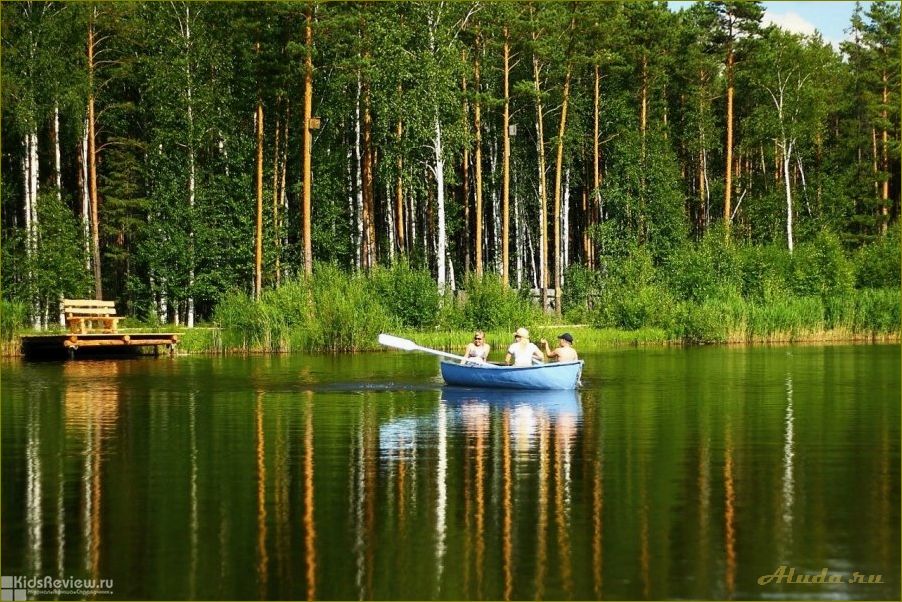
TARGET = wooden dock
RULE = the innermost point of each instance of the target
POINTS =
(71, 343)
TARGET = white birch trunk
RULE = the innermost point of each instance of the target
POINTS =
(191, 169)
(565, 226)
(787, 152)
(804, 183)
(451, 280)
(391, 224)
(543, 218)
(359, 174)
(412, 225)
(34, 168)
(86, 198)
(518, 246)
(56, 152)
(351, 197)
(31, 215)
(441, 242)
(29, 202)
(496, 207)
(532, 260)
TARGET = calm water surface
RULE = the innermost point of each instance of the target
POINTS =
(674, 473)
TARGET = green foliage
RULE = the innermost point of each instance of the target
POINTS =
(877, 265)
(12, 318)
(877, 311)
(632, 296)
(710, 269)
(330, 311)
(409, 295)
(491, 305)
(176, 138)
(583, 289)
(820, 267)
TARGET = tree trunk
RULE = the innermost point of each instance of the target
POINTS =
(496, 208)
(358, 156)
(505, 168)
(728, 184)
(543, 199)
(399, 191)
(258, 236)
(29, 167)
(558, 168)
(92, 165)
(441, 247)
(884, 206)
(787, 153)
(565, 229)
(597, 209)
(275, 197)
(85, 178)
(643, 127)
(875, 166)
(369, 224)
(308, 141)
(465, 169)
(57, 162)
(477, 125)
(518, 228)
(191, 169)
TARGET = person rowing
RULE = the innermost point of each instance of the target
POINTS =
(564, 352)
(522, 351)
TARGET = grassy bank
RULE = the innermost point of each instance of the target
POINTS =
(300, 317)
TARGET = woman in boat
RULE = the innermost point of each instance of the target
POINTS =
(522, 351)
(564, 351)
(478, 351)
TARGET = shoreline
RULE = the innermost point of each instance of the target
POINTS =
(208, 340)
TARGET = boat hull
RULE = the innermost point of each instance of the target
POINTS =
(561, 375)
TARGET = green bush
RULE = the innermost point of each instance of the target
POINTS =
(877, 265)
(583, 287)
(708, 270)
(820, 267)
(764, 272)
(408, 294)
(491, 305)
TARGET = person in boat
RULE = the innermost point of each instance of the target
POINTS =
(522, 351)
(478, 351)
(564, 351)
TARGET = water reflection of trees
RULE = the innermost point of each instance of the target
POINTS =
(399, 494)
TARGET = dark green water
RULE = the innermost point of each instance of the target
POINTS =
(675, 473)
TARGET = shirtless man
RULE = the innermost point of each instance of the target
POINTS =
(564, 351)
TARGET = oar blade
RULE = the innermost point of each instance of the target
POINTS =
(397, 342)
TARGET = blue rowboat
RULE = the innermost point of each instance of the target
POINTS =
(554, 402)
(559, 375)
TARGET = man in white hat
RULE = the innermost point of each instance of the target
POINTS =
(522, 351)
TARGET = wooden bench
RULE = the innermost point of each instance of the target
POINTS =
(82, 315)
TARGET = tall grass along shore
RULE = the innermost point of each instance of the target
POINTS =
(710, 292)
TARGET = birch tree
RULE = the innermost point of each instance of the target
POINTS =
(789, 71)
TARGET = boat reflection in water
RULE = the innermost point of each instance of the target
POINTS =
(550, 401)
(514, 448)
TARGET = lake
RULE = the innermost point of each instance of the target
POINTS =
(704, 473)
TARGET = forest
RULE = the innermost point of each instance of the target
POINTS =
(647, 167)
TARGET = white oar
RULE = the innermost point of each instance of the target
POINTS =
(407, 345)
